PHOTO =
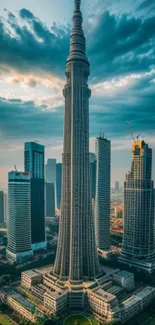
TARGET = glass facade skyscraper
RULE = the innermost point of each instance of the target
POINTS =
(50, 177)
(138, 242)
(1, 206)
(34, 164)
(102, 198)
(19, 217)
(50, 199)
(58, 184)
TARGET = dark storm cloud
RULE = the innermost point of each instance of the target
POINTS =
(116, 45)
(145, 4)
(32, 46)
(122, 46)
(20, 119)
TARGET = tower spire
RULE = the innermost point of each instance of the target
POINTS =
(77, 4)
(77, 40)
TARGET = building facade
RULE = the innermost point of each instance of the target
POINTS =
(19, 218)
(34, 164)
(92, 162)
(138, 242)
(50, 199)
(1, 206)
(102, 199)
(58, 184)
(50, 169)
(76, 256)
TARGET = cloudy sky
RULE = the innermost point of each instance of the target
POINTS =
(34, 44)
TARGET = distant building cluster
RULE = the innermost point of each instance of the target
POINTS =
(32, 196)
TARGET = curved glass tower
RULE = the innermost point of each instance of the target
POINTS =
(76, 257)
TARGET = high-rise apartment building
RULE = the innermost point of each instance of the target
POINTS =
(76, 256)
(138, 242)
(58, 184)
(19, 217)
(34, 164)
(102, 199)
(50, 199)
(50, 176)
(1, 206)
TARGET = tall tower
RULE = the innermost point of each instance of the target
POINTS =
(102, 199)
(19, 218)
(138, 243)
(34, 164)
(76, 252)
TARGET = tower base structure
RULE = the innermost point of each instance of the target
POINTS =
(145, 265)
(106, 297)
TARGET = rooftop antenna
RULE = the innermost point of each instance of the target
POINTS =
(15, 168)
(129, 126)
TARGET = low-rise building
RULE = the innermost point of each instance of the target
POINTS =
(103, 304)
(136, 303)
(30, 278)
(22, 306)
(56, 302)
(124, 279)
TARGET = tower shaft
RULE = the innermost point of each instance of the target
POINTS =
(76, 253)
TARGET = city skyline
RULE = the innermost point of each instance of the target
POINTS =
(33, 89)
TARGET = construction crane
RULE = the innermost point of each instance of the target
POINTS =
(129, 125)
(134, 138)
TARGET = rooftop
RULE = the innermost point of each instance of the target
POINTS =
(22, 301)
(124, 274)
(31, 273)
(107, 297)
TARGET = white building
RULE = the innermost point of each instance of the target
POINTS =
(102, 199)
(29, 278)
(19, 219)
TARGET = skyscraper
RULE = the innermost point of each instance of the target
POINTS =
(34, 164)
(92, 163)
(58, 184)
(5, 207)
(50, 199)
(1, 206)
(116, 186)
(19, 218)
(51, 175)
(76, 252)
(102, 199)
(138, 242)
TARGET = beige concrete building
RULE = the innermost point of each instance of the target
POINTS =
(30, 278)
